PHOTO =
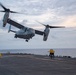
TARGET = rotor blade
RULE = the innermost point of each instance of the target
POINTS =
(51, 26)
(2, 11)
(8, 10)
(3, 6)
(41, 23)
(56, 27)
(13, 12)
(16, 12)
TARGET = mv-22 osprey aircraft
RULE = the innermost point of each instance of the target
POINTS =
(24, 32)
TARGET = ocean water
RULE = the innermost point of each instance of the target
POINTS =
(58, 51)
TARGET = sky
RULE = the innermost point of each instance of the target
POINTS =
(52, 12)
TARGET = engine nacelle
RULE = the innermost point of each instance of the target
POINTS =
(46, 33)
(6, 15)
(4, 23)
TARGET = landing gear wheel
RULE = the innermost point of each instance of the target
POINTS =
(26, 40)
(15, 36)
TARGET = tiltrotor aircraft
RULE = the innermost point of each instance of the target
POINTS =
(24, 32)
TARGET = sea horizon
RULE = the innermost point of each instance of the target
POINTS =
(58, 51)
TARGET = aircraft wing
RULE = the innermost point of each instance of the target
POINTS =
(21, 26)
(39, 32)
(15, 23)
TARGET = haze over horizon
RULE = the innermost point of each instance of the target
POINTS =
(52, 12)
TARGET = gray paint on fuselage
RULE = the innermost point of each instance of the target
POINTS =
(25, 33)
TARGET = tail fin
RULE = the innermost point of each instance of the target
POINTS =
(10, 29)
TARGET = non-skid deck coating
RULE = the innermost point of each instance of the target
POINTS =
(36, 65)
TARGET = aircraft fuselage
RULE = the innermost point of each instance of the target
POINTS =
(25, 33)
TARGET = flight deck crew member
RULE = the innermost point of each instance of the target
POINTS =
(51, 53)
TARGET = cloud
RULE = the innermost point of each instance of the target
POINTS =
(52, 12)
(65, 7)
(70, 21)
